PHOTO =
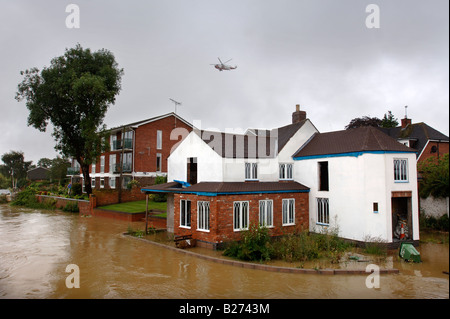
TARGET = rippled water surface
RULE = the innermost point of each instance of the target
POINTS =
(36, 247)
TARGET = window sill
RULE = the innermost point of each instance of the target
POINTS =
(185, 227)
(203, 230)
(401, 181)
(322, 224)
(290, 224)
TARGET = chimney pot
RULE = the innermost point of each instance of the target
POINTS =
(297, 108)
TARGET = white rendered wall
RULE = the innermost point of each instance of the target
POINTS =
(355, 183)
(209, 163)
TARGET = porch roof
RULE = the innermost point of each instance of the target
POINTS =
(228, 188)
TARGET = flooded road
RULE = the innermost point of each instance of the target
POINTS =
(36, 247)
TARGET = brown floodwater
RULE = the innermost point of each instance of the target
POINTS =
(37, 246)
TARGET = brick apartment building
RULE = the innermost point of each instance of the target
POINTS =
(142, 147)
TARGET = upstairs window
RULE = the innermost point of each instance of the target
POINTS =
(251, 171)
(286, 171)
(323, 176)
(102, 164)
(401, 170)
(158, 140)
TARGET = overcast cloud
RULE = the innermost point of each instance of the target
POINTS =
(319, 54)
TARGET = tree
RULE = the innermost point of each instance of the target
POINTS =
(73, 93)
(14, 166)
(389, 121)
(435, 177)
(44, 162)
(363, 121)
(58, 169)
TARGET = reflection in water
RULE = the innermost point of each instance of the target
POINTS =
(36, 247)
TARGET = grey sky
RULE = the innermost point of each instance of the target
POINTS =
(318, 54)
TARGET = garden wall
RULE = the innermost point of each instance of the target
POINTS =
(434, 207)
(85, 206)
(111, 196)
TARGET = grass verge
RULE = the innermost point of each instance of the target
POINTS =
(136, 206)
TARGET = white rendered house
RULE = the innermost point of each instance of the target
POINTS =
(360, 182)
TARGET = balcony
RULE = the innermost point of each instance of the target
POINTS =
(73, 171)
(126, 143)
(126, 168)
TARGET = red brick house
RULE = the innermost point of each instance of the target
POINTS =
(216, 212)
(142, 147)
(426, 140)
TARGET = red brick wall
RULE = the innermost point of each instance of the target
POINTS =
(111, 196)
(221, 215)
(146, 137)
(426, 152)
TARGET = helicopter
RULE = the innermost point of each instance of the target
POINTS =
(223, 66)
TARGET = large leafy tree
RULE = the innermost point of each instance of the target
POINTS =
(73, 93)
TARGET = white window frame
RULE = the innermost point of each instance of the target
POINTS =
(102, 164)
(112, 182)
(251, 171)
(159, 139)
(323, 211)
(288, 211)
(401, 170)
(183, 213)
(286, 171)
(241, 215)
(93, 168)
(102, 182)
(203, 216)
(112, 163)
(266, 213)
(113, 139)
(92, 182)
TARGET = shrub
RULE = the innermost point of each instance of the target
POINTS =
(3, 199)
(253, 246)
(433, 223)
(77, 189)
(28, 198)
(71, 207)
(296, 247)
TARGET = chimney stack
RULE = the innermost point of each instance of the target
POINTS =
(298, 115)
(406, 121)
